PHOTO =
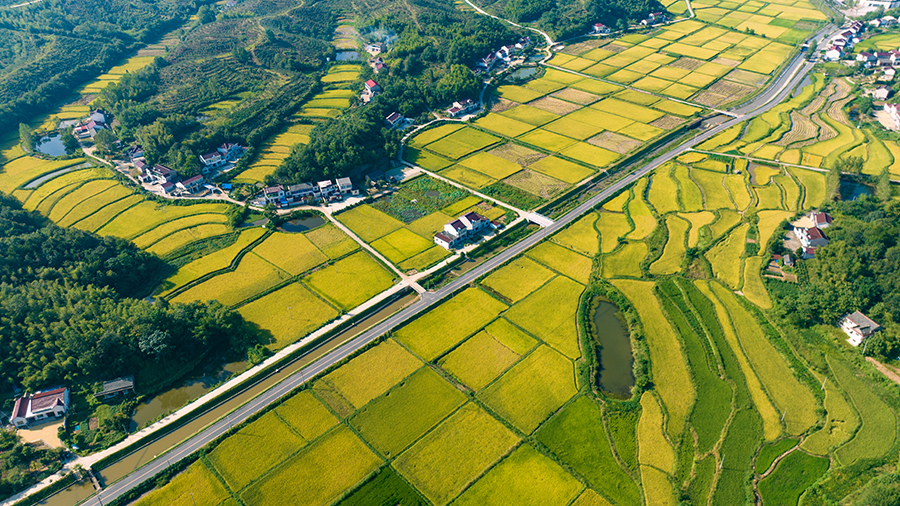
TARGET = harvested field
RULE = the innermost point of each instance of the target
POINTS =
(554, 105)
(576, 96)
(536, 183)
(667, 122)
(615, 142)
(520, 155)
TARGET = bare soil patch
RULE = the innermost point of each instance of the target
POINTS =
(517, 154)
(554, 105)
(667, 122)
(688, 63)
(576, 96)
(614, 142)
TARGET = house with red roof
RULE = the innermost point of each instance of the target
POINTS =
(40, 406)
(372, 87)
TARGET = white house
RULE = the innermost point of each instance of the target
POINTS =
(191, 185)
(230, 150)
(600, 29)
(881, 93)
(461, 108)
(344, 185)
(457, 231)
(40, 406)
(859, 327)
(833, 53)
(211, 160)
(372, 87)
(822, 220)
(273, 193)
(810, 237)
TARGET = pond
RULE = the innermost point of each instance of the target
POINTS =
(303, 224)
(803, 84)
(851, 190)
(613, 342)
(175, 398)
(51, 145)
(524, 72)
(346, 56)
(535, 57)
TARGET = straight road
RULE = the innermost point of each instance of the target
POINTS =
(782, 87)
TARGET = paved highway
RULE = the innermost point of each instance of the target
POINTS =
(778, 91)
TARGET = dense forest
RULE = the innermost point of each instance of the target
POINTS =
(570, 19)
(859, 269)
(69, 312)
(49, 48)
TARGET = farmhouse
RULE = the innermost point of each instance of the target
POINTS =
(118, 386)
(135, 152)
(810, 237)
(211, 160)
(345, 185)
(40, 406)
(273, 193)
(859, 327)
(394, 119)
(881, 93)
(457, 231)
(191, 185)
(167, 187)
(833, 53)
(822, 220)
(600, 29)
(375, 48)
(230, 151)
(892, 110)
(163, 173)
(461, 108)
(372, 87)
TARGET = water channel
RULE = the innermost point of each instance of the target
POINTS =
(78, 492)
(616, 376)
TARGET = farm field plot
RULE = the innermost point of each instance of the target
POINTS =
(351, 280)
(484, 356)
(518, 279)
(581, 236)
(655, 450)
(306, 415)
(549, 315)
(625, 261)
(576, 436)
(253, 450)
(187, 236)
(58, 186)
(394, 421)
(532, 390)
(274, 151)
(148, 215)
(443, 327)
(612, 227)
(562, 260)
(288, 313)
(698, 221)
(332, 241)
(725, 256)
(366, 377)
(369, 223)
(794, 474)
(292, 253)
(640, 213)
(198, 480)
(673, 253)
(25, 169)
(327, 468)
(878, 428)
(672, 376)
(455, 453)
(214, 261)
(165, 230)
(840, 425)
(252, 276)
(526, 477)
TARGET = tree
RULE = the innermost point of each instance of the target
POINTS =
(883, 186)
(69, 141)
(206, 15)
(833, 182)
(183, 160)
(241, 54)
(105, 141)
(25, 137)
(459, 83)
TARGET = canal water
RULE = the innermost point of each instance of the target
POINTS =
(302, 225)
(613, 341)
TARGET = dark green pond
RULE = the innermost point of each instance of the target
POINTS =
(613, 350)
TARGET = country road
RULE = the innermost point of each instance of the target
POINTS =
(780, 89)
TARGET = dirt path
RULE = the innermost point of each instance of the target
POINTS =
(888, 371)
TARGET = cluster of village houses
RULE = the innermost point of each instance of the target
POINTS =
(844, 41)
(169, 180)
(856, 325)
(285, 196)
(652, 19)
(504, 54)
(88, 128)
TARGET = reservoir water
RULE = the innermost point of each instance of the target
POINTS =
(303, 224)
(50, 145)
(613, 342)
